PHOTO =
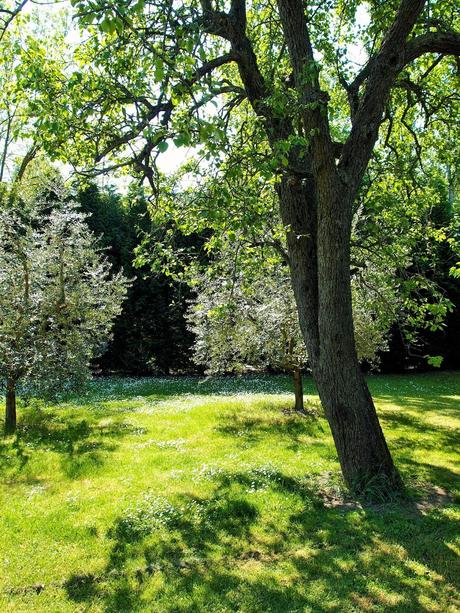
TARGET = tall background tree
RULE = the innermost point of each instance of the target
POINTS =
(149, 75)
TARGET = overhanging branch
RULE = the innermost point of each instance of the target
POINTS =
(445, 43)
(379, 74)
(163, 107)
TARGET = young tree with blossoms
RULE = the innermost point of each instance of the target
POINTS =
(58, 300)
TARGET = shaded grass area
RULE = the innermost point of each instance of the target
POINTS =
(180, 495)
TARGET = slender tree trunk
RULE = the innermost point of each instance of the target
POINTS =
(10, 414)
(298, 390)
(6, 145)
(320, 270)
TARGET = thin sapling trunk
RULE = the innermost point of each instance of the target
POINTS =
(298, 390)
(10, 413)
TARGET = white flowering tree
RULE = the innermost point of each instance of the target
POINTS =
(245, 320)
(58, 299)
(241, 323)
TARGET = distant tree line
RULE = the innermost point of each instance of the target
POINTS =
(403, 354)
(152, 334)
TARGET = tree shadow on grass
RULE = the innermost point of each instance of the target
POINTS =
(415, 472)
(429, 435)
(81, 444)
(425, 422)
(427, 401)
(247, 429)
(176, 542)
(220, 553)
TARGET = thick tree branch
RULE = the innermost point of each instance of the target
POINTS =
(306, 77)
(211, 65)
(379, 74)
(238, 12)
(232, 27)
(445, 43)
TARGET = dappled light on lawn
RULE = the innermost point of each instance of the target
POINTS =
(204, 495)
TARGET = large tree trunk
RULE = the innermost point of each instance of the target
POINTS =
(10, 413)
(361, 447)
(318, 208)
(319, 260)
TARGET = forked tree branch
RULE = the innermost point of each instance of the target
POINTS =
(379, 75)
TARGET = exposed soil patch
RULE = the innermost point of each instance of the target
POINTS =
(429, 497)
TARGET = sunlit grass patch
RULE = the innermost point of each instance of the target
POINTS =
(168, 495)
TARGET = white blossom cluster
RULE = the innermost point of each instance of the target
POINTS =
(242, 323)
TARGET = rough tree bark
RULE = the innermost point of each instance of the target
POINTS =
(321, 251)
(10, 406)
(362, 450)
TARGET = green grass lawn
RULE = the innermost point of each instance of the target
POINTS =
(178, 495)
